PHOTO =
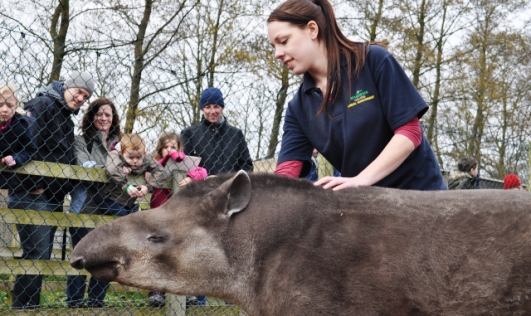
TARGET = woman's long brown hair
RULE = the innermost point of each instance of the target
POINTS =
(87, 124)
(338, 46)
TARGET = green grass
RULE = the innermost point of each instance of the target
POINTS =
(58, 300)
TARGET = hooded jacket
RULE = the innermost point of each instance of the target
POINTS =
(53, 131)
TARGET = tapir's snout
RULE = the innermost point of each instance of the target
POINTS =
(99, 253)
(77, 262)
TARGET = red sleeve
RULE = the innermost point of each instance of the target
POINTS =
(412, 131)
(290, 168)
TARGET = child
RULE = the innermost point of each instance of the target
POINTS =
(169, 146)
(118, 197)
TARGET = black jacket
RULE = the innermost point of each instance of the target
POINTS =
(53, 132)
(16, 141)
(222, 148)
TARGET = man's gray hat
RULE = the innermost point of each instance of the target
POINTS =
(81, 80)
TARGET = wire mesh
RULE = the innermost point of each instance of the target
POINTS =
(47, 211)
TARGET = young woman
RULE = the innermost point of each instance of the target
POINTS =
(466, 177)
(356, 105)
(100, 130)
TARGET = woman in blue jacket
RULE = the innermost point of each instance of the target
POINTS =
(356, 105)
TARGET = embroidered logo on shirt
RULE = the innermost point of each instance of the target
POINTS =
(360, 97)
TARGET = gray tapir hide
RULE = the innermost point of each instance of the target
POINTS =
(279, 246)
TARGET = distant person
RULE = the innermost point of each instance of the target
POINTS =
(356, 105)
(100, 130)
(467, 175)
(512, 182)
(53, 130)
(222, 147)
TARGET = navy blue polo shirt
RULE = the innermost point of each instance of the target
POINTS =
(361, 123)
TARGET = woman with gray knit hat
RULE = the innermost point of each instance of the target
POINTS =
(222, 147)
(53, 130)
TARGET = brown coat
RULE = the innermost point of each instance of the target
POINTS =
(115, 188)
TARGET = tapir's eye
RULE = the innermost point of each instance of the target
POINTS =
(155, 238)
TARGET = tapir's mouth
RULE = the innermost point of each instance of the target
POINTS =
(101, 270)
(106, 272)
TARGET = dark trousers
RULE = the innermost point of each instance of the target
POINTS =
(37, 243)
(75, 285)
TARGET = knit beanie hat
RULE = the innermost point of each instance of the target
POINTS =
(81, 80)
(211, 96)
(511, 181)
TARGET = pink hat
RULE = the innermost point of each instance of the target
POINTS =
(511, 181)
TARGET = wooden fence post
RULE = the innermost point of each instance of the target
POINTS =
(176, 304)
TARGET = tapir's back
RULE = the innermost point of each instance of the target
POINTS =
(438, 253)
(372, 251)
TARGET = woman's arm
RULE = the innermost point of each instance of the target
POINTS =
(81, 150)
(290, 168)
(113, 167)
(392, 156)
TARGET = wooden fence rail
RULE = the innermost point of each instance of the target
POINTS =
(10, 265)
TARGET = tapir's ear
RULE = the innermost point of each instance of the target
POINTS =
(237, 191)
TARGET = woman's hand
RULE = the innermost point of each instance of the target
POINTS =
(393, 155)
(340, 183)
(9, 160)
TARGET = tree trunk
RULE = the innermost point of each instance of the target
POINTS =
(61, 20)
(374, 25)
(279, 109)
(432, 120)
(138, 67)
(481, 92)
(212, 63)
(420, 45)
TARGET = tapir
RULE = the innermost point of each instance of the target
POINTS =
(280, 246)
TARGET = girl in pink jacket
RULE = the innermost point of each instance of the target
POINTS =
(169, 147)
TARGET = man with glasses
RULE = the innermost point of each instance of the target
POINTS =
(53, 131)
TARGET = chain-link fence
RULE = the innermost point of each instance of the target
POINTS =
(96, 144)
